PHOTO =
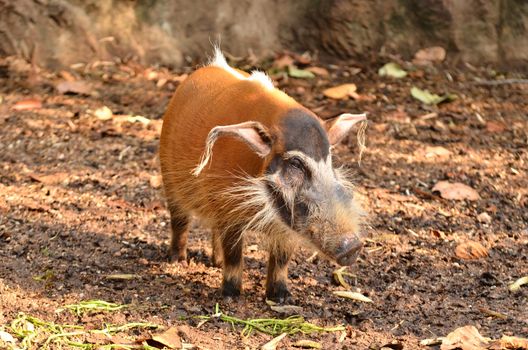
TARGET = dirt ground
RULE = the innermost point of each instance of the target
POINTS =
(80, 203)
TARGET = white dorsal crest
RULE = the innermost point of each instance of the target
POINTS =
(260, 77)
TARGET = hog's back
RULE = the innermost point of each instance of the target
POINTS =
(207, 98)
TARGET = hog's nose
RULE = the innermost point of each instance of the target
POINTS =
(348, 251)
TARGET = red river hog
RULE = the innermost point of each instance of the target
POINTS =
(244, 156)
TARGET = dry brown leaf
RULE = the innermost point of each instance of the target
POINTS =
(431, 341)
(392, 346)
(456, 191)
(307, 344)
(98, 339)
(509, 343)
(464, 338)
(495, 126)
(492, 313)
(358, 97)
(119, 119)
(79, 87)
(169, 338)
(161, 82)
(67, 75)
(25, 105)
(272, 344)
(304, 59)
(352, 295)
(471, 250)
(287, 309)
(430, 54)
(50, 179)
(515, 286)
(283, 62)
(122, 277)
(320, 71)
(338, 277)
(340, 92)
(180, 78)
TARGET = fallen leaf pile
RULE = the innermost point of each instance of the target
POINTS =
(465, 338)
(469, 338)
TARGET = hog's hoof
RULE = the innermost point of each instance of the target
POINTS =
(178, 257)
(230, 289)
(216, 261)
(279, 293)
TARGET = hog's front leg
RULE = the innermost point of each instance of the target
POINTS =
(277, 278)
(232, 246)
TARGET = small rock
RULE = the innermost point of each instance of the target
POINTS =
(484, 218)
(429, 55)
(103, 113)
(6, 337)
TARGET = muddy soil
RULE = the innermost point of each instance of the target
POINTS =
(80, 202)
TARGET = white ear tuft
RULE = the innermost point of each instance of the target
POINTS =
(339, 127)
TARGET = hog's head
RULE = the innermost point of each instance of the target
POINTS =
(300, 188)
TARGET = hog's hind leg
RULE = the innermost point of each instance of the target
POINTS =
(216, 256)
(232, 245)
(277, 278)
(179, 227)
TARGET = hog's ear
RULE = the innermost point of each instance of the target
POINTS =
(254, 134)
(340, 126)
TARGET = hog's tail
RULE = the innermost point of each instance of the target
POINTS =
(361, 137)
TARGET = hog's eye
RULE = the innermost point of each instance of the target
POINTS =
(296, 162)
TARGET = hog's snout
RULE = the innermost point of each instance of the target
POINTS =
(347, 251)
